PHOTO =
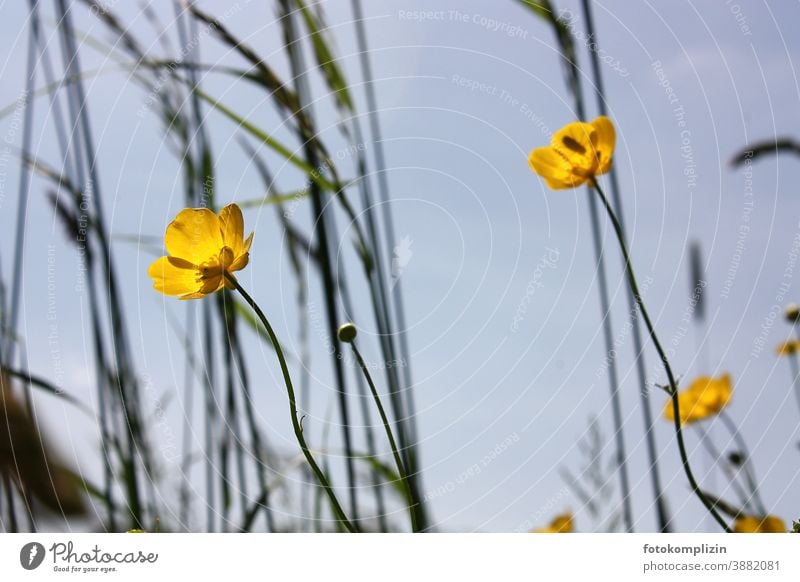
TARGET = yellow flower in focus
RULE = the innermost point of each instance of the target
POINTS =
(202, 247)
(705, 397)
(577, 153)
(561, 524)
(767, 524)
(788, 347)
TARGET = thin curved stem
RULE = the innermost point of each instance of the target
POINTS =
(298, 429)
(747, 464)
(673, 385)
(387, 427)
(708, 443)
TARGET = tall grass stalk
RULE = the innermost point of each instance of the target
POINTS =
(544, 9)
(201, 181)
(71, 161)
(320, 220)
(137, 449)
(794, 363)
(662, 515)
(574, 83)
(231, 440)
(403, 402)
(11, 510)
(187, 403)
(259, 452)
(369, 251)
(9, 325)
(210, 399)
(17, 273)
(613, 375)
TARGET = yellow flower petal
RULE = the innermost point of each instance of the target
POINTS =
(715, 394)
(554, 184)
(554, 168)
(172, 276)
(605, 143)
(194, 235)
(204, 248)
(788, 347)
(705, 397)
(232, 227)
(208, 286)
(576, 142)
(767, 524)
(578, 153)
(240, 262)
(561, 524)
(687, 402)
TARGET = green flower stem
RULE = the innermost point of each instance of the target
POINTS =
(398, 461)
(727, 468)
(298, 429)
(673, 385)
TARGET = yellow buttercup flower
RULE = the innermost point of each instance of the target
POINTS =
(788, 347)
(577, 153)
(766, 524)
(705, 397)
(202, 247)
(561, 524)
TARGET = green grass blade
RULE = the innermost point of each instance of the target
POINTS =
(324, 56)
(269, 141)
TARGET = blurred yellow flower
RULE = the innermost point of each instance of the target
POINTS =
(202, 247)
(788, 347)
(561, 524)
(705, 397)
(767, 524)
(577, 153)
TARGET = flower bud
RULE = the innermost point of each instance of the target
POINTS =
(347, 332)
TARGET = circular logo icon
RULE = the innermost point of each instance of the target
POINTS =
(31, 555)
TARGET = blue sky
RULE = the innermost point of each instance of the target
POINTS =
(466, 89)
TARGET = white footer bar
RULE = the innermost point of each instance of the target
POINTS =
(401, 557)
